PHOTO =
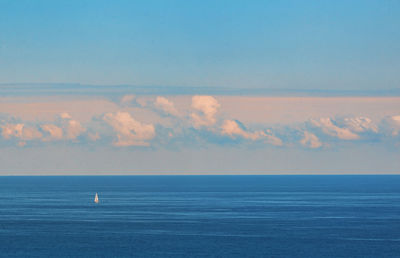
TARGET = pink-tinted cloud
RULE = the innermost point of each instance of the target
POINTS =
(329, 128)
(129, 131)
(206, 107)
(74, 129)
(360, 124)
(272, 139)
(166, 106)
(127, 99)
(10, 130)
(310, 140)
(54, 132)
(65, 115)
(392, 124)
(31, 133)
(289, 110)
(67, 119)
(232, 129)
(20, 131)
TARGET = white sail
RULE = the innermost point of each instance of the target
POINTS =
(96, 198)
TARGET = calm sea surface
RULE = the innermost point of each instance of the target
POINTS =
(200, 216)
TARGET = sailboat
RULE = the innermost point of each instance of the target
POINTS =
(96, 198)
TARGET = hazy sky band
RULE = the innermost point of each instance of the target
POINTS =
(195, 134)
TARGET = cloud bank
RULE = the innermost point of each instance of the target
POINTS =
(158, 123)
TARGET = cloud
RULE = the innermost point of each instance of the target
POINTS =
(391, 124)
(65, 115)
(206, 107)
(129, 131)
(360, 124)
(200, 119)
(127, 99)
(166, 106)
(74, 129)
(329, 128)
(20, 131)
(31, 133)
(233, 129)
(395, 121)
(94, 136)
(310, 140)
(10, 130)
(55, 132)
(272, 139)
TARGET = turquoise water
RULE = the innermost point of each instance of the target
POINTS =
(200, 216)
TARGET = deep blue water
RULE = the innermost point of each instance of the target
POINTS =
(200, 216)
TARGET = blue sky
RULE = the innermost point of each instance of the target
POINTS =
(199, 87)
(243, 44)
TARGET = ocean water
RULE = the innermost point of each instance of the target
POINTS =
(200, 216)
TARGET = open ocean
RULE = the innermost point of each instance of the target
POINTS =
(200, 216)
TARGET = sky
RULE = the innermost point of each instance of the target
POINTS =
(244, 44)
(199, 87)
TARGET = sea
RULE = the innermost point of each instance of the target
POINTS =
(200, 216)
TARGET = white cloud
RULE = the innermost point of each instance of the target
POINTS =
(331, 129)
(206, 107)
(310, 140)
(232, 129)
(55, 132)
(129, 131)
(166, 106)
